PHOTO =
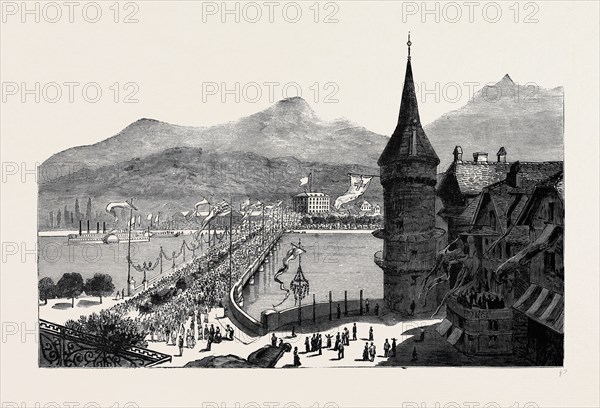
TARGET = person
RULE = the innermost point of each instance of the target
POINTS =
(341, 351)
(347, 336)
(372, 351)
(210, 341)
(367, 306)
(212, 331)
(329, 337)
(376, 309)
(415, 355)
(320, 344)
(393, 349)
(273, 340)
(180, 345)
(296, 358)
(422, 335)
(371, 333)
(386, 348)
(339, 311)
(337, 341)
(412, 307)
(293, 331)
(167, 333)
(206, 332)
(307, 344)
(366, 351)
(354, 331)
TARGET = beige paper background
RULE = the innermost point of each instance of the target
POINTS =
(170, 52)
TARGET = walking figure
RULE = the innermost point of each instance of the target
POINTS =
(371, 333)
(354, 331)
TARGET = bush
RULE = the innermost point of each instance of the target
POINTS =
(69, 286)
(100, 285)
(119, 332)
(46, 289)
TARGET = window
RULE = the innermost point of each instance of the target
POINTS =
(492, 220)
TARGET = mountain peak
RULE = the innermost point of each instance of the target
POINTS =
(296, 103)
(506, 81)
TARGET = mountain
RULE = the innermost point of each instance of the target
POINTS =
(169, 167)
(176, 178)
(526, 119)
(288, 128)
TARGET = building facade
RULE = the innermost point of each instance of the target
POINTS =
(311, 203)
(408, 167)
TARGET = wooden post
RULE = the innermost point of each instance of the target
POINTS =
(330, 305)
(299, 312)
(345, 303)
(314, 309)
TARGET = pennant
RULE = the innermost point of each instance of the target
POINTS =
(358, 185)
(111, 208)
(222, 208)
(149, 217)
(291, 254)
(304, 180)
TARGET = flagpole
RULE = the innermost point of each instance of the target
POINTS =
(262, 239)
(129, 255)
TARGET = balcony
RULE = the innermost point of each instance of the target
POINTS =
(411, 264)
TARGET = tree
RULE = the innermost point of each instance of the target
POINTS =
(69, 286)
(77, 212)
(88, 209)
(51, 219)
(100, 285)
(46, 289)
(66, 216)
(58, 218)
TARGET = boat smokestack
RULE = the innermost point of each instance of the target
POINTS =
(97, 227)
(88, 226)
(104, 227)
(79, 227)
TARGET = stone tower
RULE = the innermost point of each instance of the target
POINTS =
(408, 168)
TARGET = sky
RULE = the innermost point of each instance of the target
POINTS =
(187, 63)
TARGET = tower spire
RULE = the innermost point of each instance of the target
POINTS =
(409, 44)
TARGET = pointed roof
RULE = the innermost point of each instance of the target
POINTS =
(399, 145)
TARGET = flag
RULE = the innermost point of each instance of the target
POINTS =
(149, 217)
(250, 210)
(358, 185)
(304, 180)
(222, 208)
(291, 254)
(244, 204)
(111, 208)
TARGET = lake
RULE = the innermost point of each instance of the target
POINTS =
(336, 261)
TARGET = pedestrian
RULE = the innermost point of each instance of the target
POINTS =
(320, 344)
(422, 335)
(167, 332)
(372, 351)
(329, 337)
(273, 340)
(339, 311)
(367, 306)
(354, 331)
(371, 333)
(393, 347)
(293, 331)
(296, 358)
(180, 345)
(376, 309)
(307, 344)
(366, 352)
(341, 351)
(386, 348)
(412, 307)
(346, 336)
(337, 341)
(210, 341)
(415, 355)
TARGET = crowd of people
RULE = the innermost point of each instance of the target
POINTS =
(183, 320)
(481, 300)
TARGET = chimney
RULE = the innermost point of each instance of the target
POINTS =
(501, 155)
(97, 227)
(480, 157)
(457, 154)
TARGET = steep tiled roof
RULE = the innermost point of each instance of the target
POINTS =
(532, 173)
(468, 215)
(472, 177)
(399, 145)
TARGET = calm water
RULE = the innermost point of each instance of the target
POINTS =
(336, 262)
(56, 257)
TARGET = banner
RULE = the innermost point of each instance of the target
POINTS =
(358, 185)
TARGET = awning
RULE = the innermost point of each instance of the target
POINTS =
(443, 327)
(454, 336)
(543, 306)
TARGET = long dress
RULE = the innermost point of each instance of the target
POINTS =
(297, 362)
